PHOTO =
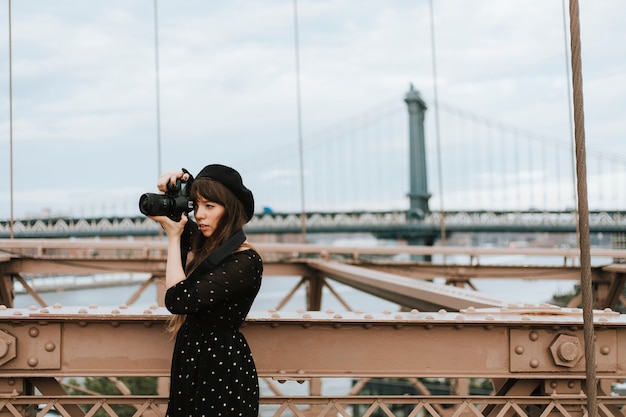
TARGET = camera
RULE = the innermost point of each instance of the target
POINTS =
(172, 204)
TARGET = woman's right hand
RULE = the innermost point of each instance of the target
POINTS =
(170, 177)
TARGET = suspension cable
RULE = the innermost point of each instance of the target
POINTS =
(158, 87)
(12, 221)
(583, 210)
(571, 123)
(442, 220)
(301, 153)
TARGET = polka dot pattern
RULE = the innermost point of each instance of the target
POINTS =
(213, 372)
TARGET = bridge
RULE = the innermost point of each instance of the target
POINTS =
(417, 223)
(451, 350)
(530, 353)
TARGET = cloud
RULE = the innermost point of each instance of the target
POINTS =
(84, 88)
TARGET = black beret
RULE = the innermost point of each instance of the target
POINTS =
(232, 180)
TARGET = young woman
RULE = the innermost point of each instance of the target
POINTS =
(212, 277)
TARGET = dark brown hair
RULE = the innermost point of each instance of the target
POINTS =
(232, 220)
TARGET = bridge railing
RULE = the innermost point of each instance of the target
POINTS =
(332, 222)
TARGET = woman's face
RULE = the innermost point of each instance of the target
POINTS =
(208, 215)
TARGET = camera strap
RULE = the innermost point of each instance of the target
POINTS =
(231, 244)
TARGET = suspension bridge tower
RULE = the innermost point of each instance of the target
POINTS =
(418, 194)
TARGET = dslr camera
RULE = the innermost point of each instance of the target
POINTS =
(172, 204)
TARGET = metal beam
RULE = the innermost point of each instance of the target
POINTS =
(518, 342)
(405, 291)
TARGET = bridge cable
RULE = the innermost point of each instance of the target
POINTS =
(583, 210)
(11, 222)
(158, 92)
(442, 219)
(571, 122)
(299, 107)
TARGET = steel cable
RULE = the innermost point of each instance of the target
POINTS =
(583, 210)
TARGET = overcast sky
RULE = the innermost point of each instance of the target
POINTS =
(84, 83)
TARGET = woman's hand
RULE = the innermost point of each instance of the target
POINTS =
(172, 228)
(170, 177)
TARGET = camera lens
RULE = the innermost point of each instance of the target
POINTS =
(154, 204)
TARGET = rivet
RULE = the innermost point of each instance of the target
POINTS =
(534, 363)
(553, 384)
(398, 317)
(387, 312)
(307, 315)
(415, 311)
(17, 313)
(32, 362)
(93, 306)
(82, 311)
(147, 312)
(275, 316)
(442, 312)
(44, 311)
(605, 350)
(571, 384)
(50, 347)
(429, 317)
(369, 316)
(33, 332)
(32, 308)
(337, 316)
(519, 349)
(57, 306)
(533, 336)
(330, 311)
(115, 311)
(123, 306)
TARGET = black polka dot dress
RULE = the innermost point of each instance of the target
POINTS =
(213, 373)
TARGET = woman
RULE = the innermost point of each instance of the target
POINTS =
(212, 277)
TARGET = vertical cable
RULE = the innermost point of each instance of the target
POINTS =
(301, 153)
(583, 210)
(12, 220)
(442, 222)
(571, 122)
(158, 89)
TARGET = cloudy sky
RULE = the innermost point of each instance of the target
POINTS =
(84, 77)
